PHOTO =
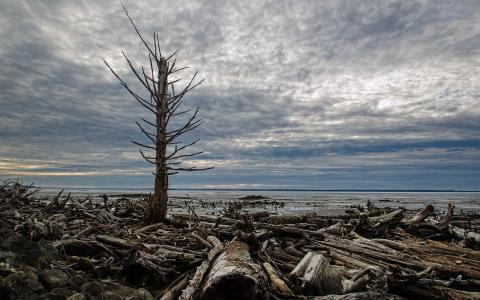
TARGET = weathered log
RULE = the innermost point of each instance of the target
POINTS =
(202, 240)
(389, 219)
(313, 275)
(194, 284)
(291, 231)
(141, 266)
(117, 242)
(293, 251)
(443, 224)
(378, 226)
(173, 291)
(150, 227)
(431, 291)
(396, 258)
(337, 229)
(392, 244)
(420, 216)
(234, 275)
(82, 232)
(276, 281)
(471, 239)
(431, 229)
(272, 253)
(284, 219)
(372, 279)
(82, 248)
(361, 296)
(208, 219)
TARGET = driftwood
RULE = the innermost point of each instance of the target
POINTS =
(360, 296)
(276, 281)
(193, 288)
(370, 254)
(315, 276)
(420, 216)
(464, 234)
(233, 274)
(176, 288)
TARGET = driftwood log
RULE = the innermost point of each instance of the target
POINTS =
(315, 276)
(234, 275)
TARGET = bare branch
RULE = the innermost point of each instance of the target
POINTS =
(152, 137)
(144, 83)
(186, 155)
(181, 148)
(140, 100)
(147, 158)
(191, 169)
(138, 32)
(143, 145)
(149, 123)
(177, 70)
(173, 54)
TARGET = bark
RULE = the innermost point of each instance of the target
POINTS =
(233, 275)
(315, 276)
(443, 224)
(420, 216)
(110, 240)
(360, 296)
(461, 233)
(276, 281)
(390, 219)
(159, 199)
(192, 289)
(176, 288)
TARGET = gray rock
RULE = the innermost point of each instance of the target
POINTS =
(92, 289)
(23, 284)
(58, 294)
(106, 290)
(6, 269)
(53, 278)
(121, 290)
(77, 296)
(27, 251)
(7, 257)
(78, 280)
(141, 294)
(48, 253)
(107, 295)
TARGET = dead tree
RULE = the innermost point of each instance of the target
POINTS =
(163, 102)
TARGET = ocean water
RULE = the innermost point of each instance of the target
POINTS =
(289, 202)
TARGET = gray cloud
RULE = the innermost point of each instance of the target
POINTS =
(295, 90)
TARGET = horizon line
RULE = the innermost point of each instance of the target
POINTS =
(270, 189)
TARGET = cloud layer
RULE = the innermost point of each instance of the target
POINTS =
(298, 94)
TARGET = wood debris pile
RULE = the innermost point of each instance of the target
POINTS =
(69, 248)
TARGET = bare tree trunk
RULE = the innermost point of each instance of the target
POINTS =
(159, 200)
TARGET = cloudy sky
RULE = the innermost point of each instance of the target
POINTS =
(297, 94)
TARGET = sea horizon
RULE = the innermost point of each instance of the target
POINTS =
(265, 189)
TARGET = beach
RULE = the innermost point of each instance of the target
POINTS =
(325, 203)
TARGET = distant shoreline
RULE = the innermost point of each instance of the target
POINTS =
(277, 190)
